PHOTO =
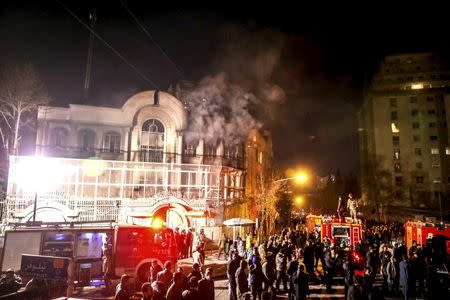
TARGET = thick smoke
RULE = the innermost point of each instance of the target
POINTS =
(237, 97)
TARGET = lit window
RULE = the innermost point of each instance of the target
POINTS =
(396, 153)
(418, 151)
(419, 165)
(447, 150)
(396, 140)
(434, 150)
(397, 168)
(417, 86)
(416, 138)
(111, 142)
(394, 128)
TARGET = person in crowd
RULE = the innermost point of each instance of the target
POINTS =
(355, 292)
(308, 257)
(256, 280)
(404, 277)
(191, 293)
(183, 244)
(195, 272)
(328, 270)
(223, 247)
(269, 268)
(232, 266)
(10, 282)
(147, 291)
(206, 286)
(391, 273)
(385, 258)
(159, 289)
(242, 279)
(155, 268)
(189, 241)
(198, 258)
(301, 283)
(176, 288)
(281, 267)
(123, 288)
(348, 267)
(201, 242)
(291, 271)
(166, 275)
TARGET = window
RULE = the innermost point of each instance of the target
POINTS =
(435, 165)
(434, 150)
(419, 179)
(412, 99)
(398, 180)
(396, 153)
(430, 99)
(397, 168)
(415, 125)
(394, 115)
(111, 142)
(432, 125)
(418, 151)
(447, 150)
(398, 194)
(393, 102)
(414, 112)
(396, 140)
(86, 140)
(189, 150)
(416, 138)
(58, 137)
(152, 141)
(419, 165)
(433, 138)
(394, 128)
(431, 112)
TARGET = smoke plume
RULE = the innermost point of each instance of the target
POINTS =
(238, 96)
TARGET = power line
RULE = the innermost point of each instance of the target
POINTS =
(151, 38)
(108, 45)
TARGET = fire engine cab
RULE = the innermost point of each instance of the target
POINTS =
(342, 231)
(421, 232)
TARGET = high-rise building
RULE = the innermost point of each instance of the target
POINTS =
(404, 135)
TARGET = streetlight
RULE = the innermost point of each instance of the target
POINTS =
(299, 178)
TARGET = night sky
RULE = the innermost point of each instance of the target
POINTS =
(323, 59)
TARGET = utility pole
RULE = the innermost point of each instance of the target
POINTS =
(90, 54)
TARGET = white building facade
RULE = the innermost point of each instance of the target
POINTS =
(128, 164)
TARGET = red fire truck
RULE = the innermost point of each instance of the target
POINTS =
(421, 232)
(341, 231)
(96, 248)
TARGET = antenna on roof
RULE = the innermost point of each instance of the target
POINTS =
(87, 78)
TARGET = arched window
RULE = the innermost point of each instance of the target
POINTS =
(111, 142)
(58, 137)
(152, 141)
(86, 140)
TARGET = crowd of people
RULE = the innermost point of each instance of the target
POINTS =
(165, 283)
(288, 262)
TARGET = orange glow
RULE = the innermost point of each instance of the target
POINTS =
(157, 223)
(298, 200)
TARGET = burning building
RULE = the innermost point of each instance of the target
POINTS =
(134, 164)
